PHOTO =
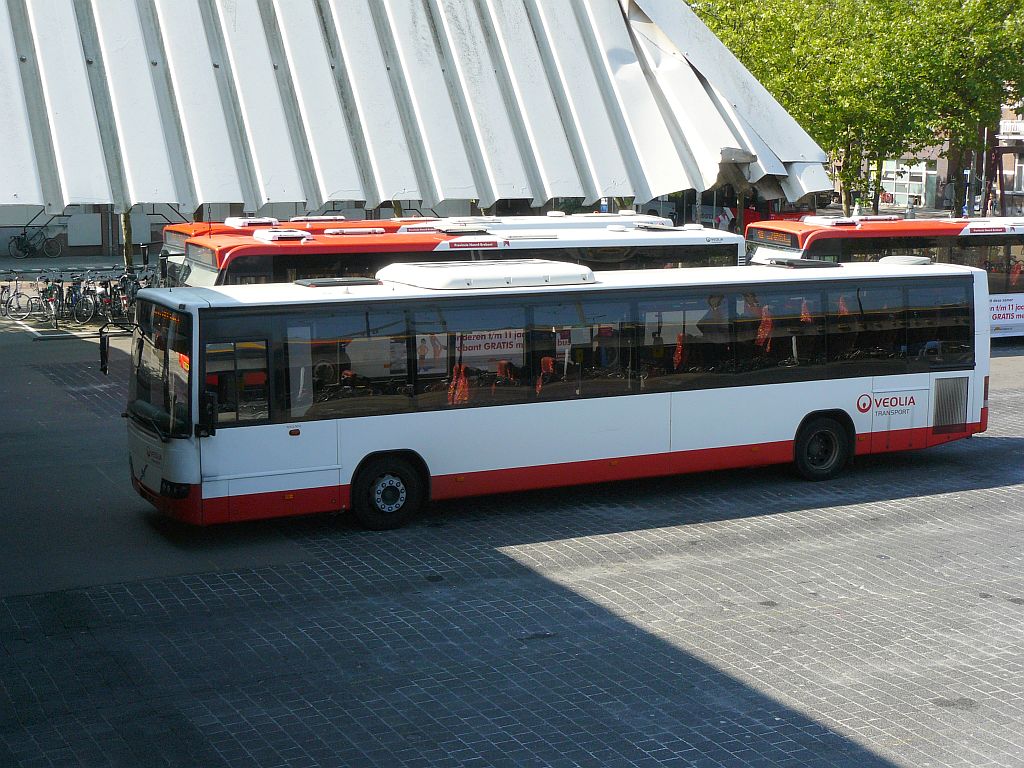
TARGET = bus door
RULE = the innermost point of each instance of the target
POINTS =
(250, 467)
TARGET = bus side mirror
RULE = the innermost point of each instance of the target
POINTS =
(208, 408)
(104, 352)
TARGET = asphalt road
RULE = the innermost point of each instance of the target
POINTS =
(726, 619)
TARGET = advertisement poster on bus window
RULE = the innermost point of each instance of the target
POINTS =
(1007, 314)
(480, 349)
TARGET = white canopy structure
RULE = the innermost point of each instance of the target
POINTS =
(120, 102)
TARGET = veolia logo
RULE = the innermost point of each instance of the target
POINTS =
(864, 402)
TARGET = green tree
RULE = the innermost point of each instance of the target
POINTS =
(867, 78)
(972, 63)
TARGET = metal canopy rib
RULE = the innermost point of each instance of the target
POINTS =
(319, 101)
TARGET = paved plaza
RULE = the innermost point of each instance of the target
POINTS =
(739, 618)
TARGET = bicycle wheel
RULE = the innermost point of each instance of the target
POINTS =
(84, 310)
(19, 306)
(41, 309)
(53, 247)
(14, 248)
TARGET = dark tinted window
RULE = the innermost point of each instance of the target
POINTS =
(470, 356)
(346, 364)
(237, 373)
(939, 332)
(1001, 257)
(583, 349)
(867, 330)
(685, 342)
(287, 268)
(779, 334)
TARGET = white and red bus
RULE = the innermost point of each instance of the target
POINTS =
(283, 255)
(442, 380)
(994, 244)
(176, 235)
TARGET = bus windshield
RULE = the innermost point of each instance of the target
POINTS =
(158, 390)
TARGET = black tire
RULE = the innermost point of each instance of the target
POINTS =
(386, 493)
(52, 247)
(19, 306)
(14, 250)
(83, 310)
(822, 449)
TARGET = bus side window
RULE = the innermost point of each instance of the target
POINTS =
(940, 332)
(237, 374)
(470, 356)
(867, 331)
(594, 354)
(685, 342)
(347, 364)
(826, 250)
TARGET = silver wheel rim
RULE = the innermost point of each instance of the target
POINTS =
(389, 493)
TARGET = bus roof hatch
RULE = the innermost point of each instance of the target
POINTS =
(505, 273)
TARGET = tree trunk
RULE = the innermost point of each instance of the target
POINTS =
(126, 235)
(876, 193)
(955, 155)
(847, 198)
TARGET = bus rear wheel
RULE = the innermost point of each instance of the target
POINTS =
(387, 493)
(822, 449)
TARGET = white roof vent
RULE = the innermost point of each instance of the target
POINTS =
(905, 258)
(335, 217)
(693, 227)
(274, 235)
(615, 228)
(555, 214)
(469, 275)
(244, 222)
(627, 212)
(355, 231)
(530, 235)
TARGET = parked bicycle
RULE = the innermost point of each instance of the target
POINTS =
(73, 298)
(19, 304)
(35, 243)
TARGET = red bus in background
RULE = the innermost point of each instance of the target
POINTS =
(175, 235)
(276, 255)
(995, 245)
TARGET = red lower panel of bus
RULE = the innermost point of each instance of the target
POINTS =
(257, 506)
(607, 470)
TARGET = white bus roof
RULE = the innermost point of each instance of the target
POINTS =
(626, 218)
(613, 235)
(500, 271)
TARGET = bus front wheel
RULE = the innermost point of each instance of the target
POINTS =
(387, 493)
(822, 449)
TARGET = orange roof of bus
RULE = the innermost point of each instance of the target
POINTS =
(200, 228)
(808, 232)
(230, 245)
